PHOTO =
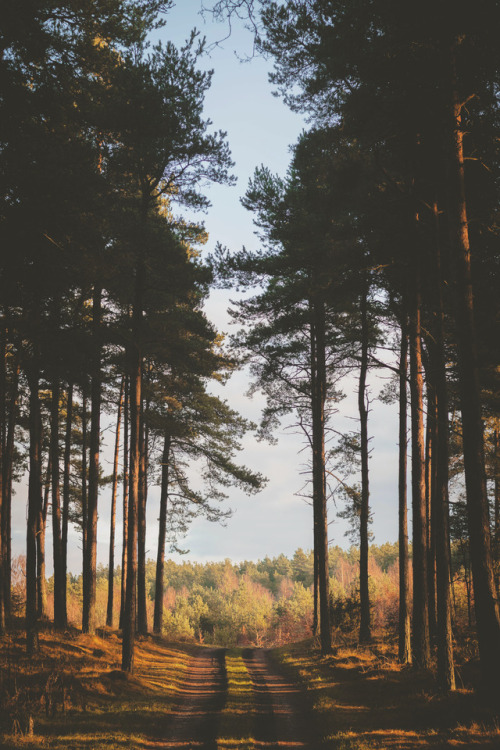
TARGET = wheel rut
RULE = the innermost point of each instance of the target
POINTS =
(280, 720)
(202, 696)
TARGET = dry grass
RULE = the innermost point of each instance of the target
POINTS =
(76, 696)
(73, 696)
(362, 698)
(236, 723)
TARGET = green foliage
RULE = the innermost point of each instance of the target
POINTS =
(264, 603)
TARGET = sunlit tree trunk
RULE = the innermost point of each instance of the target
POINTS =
(34, 501)
(135, 370)
(125, 499)
(485, 594)
(59, 582)
(364, 515)
(114, 488)
(66, 487)
(90, 560)
(420, 640)
(430, 490)
(405, 655)
(8, 459)
(84, 471)
(496, 532)
(3, 336)
(162, 534)
(315, 626)
(440, 505)
(41, 580)
(142, 615)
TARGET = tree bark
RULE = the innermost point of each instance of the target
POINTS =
(405, 655)
(66, 488)
(162, 533)
(41, 578)
(135, 369)
(440, 505)
(318, 394)
(3, 354)
(364, 515)
(90, 560)
(485, 594)
(430, 490)
(84, 472)
(315, 625)
(59, 581)
(125, 500)
(114, 487)
(142, 615)
(496, 532)
(421, 645)
(8, 459)
(34, 502)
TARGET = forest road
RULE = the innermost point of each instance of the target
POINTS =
(282, 721)
(202, 696)
(280, 717)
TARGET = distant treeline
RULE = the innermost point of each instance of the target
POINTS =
(268, 602)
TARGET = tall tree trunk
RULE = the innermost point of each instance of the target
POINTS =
(142, 615)
(315, 625)
(114, 487)
(421, 645)
(440, 505)
(318, 391)
(90, 561)
(3, 354)
(316, 503)
(135, 369)
(41, 579)
(430, 490)
(405, 656)
(59, 582)
(8, 458)
(84, 472)
(485, 594)
(34, 502)
(66, 488)
(125, 500)
(162, 534)
(496, 533)
(364, 514)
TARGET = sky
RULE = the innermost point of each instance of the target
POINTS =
(260, 130)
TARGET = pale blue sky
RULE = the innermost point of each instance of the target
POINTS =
(260, 130)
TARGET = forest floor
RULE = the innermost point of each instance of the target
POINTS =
(73, 696)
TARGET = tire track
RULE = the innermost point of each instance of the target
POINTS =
(281, 720)
(202, 696)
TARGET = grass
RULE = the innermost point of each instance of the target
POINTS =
(363, 699)
(236, 724)
(78, 697)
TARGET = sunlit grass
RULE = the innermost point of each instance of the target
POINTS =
(236, 725)
(75, 696)
(362, 698)
(78, 697)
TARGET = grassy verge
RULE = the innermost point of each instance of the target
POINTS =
(238, 716)
(363, 699)
(73, 694)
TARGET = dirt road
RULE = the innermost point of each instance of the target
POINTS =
(202, 697)
(279, 718)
